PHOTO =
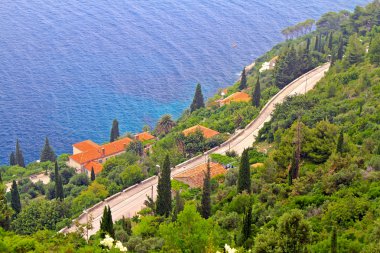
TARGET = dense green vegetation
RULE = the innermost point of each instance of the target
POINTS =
(318, 190)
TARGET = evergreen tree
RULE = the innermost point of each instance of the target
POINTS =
(1, 178)
(198, 101)
(244, 178)
(287, 68)
(247, 221)
(106, 223)
(58, 183)
(334, 241)
(164, 198)
(92, 174)
(15, 198)
(19, 156)
(12, 159)
(114, 130)
(316, 45)
(308, 45)
(339, 145)
(206, 194)
(243, 80)
(256, 95)
(179, 205)
(354, 52)
(374, 50)
(330, 43)
(47, 153)
(340, 49)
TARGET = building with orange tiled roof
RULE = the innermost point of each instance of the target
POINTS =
(194, 177)
(144, 136)
(236, 97)
(88, 154)
(207, 132)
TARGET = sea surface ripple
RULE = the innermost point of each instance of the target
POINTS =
(68, 68)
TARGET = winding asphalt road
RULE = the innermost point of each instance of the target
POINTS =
(131, 200)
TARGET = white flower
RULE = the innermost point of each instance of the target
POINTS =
(120, 246)
(108, 242)
(229, 249)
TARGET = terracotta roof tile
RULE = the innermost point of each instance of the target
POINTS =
(102, 151)
(237, 97)
(86, 145)
(207, 132)
(97, 167)
(194, 177)
(145, 136)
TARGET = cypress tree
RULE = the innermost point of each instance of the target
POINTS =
(308, 45)
(15, 198)
(92, 174)
(316, 45)
(47, 153)
(164, 197)
(330, 43)
(198, 101)
(334, 241)
(12, 159)
(244, 178)
(256, 95)
(114, 130)
(179, 205)
(247, 221)
(243, 80)
(106, 223)
(58, 183)
(19, 156)
(206, 194)
(339, 145)
(340, 49)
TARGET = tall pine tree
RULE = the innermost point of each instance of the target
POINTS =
(256, 95)
(47, 153)
(15, 198)
(164, 196)
(114, 130)
(58, 183)
(18, 155)
(12, 159)
(198, 101)
(206, 194)
(243, 80)
(106, 223)
(244, 178)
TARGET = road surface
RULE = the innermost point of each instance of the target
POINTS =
(129, 202)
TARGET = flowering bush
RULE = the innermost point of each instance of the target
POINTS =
(109, 243)
(228, 249)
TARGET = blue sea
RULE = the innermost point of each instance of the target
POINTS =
(68, 68)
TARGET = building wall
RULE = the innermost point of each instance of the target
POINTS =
(76, 151)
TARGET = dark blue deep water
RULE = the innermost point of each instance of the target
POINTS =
(68, 68)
